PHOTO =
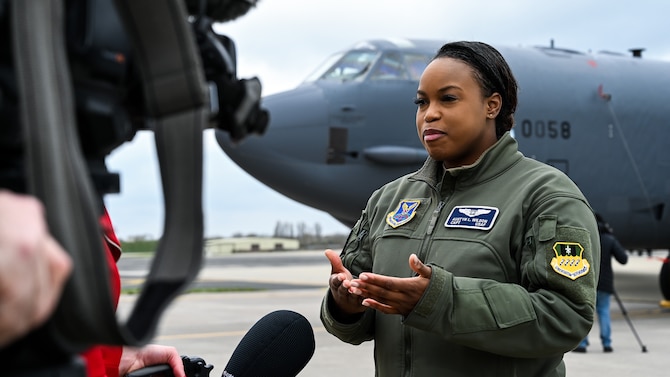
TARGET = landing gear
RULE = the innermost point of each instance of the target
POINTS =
(664, 278)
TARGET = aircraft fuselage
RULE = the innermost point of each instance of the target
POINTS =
(600, 118)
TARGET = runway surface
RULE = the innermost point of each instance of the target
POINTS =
(210, 325)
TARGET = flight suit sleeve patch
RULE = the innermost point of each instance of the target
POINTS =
(569, 260)
(570, 254)
(564, 264)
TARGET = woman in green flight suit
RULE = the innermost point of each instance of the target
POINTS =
(481, 263)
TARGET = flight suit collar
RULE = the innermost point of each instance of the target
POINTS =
(493, 162)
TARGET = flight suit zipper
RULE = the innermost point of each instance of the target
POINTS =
(425, 243)
(433, 220)
(423, 253)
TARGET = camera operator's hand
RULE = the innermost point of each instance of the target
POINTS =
(33, 266)
(152, 354)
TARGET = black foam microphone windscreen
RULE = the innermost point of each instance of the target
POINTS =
(279, 345)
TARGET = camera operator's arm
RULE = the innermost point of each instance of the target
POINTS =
(33, 266)
(103, 360)
(152, 354)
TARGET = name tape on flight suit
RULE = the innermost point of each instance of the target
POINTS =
(472, 217)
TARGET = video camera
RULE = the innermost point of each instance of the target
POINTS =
(193, 367)
(110, 106)
(106, 82)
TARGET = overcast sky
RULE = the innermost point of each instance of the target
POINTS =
(282, 41)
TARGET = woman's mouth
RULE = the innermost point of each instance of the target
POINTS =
(430, 135)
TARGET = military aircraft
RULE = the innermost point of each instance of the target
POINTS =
(599, 117)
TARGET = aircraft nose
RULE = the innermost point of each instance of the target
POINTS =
(297, 129)
(294, 145)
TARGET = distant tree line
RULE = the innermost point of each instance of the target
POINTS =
(310, 237)
(138, 246)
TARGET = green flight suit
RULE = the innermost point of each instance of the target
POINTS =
(514, 250)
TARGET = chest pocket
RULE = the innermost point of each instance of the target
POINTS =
(401, 233)
(469, 257)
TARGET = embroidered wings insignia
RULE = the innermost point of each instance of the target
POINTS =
(473, 212)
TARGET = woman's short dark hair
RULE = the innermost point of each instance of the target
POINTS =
(492, 73)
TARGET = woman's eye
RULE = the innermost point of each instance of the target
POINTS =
(448, 98)
(419, 101)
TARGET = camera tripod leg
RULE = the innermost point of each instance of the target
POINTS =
(625, 315)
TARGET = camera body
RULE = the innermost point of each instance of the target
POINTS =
(193, 367)
(110, 106)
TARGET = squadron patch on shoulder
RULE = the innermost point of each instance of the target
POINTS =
(404, 213)
(569, 260)
(472, 217)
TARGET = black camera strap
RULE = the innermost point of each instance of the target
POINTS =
(175, 91)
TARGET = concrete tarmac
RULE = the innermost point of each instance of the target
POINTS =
(210, 325)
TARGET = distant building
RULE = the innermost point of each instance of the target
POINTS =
(249, 244)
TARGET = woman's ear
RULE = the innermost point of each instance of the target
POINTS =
(493, 105)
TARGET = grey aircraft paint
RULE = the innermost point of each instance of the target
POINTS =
(599, 117)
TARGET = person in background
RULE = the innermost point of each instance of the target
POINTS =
(610, 247)
(481, 263)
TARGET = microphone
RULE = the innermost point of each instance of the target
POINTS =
(279, 345)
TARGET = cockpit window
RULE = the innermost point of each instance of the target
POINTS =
(390, 67)
(356, 64)
(400, 66)
(324, 67)
(415, 64)
(352, 65)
